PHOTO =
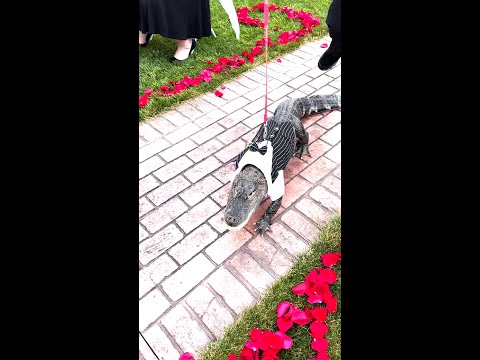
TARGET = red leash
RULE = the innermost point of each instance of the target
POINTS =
(265, 20)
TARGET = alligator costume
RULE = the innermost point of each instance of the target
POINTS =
(259, 168)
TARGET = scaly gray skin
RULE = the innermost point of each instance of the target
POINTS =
(250, 186)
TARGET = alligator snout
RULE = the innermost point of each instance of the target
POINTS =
(231, 220)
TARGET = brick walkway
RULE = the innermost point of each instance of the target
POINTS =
(196, 276)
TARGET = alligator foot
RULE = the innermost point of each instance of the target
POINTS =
(263, 225)
(302, 150)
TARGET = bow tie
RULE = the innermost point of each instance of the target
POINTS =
(262, 150)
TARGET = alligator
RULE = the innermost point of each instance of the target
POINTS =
(259, 167)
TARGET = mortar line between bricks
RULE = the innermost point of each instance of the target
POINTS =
(328, 190)
(175, 302)
(170, 337)
(277, 246)
(141, 162)
(151, 349)
(221, 300)
(201, 251)
(240, 278)
(313, 186)
(183, 237)
(262, 265)
(319, 204)
(147, 123)
(254, 292)
(199, 320)
(308, 241)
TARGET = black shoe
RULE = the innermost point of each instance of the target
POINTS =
(192, 48)
(149, 37)
(329, 57)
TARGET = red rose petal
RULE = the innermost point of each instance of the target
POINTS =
(327, 275)
(319, 313)
(282, 308)
(287, 341)
(148, 91)
(223, 87)
(232, 357)
(255, 334)
(279, 60)
(300, 318)
(218, 93)
(186, 356)
(315, 299)
(251, 345)
(300, 289)
(332, 304)
(319, 344)
(284, 324)
(322, 355)
(143, 100)
(329, 259)
(318, 329)
(248, 354)
(324, 45)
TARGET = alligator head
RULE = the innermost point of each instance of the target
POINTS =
(248, 190)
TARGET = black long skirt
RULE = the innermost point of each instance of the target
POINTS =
(175, 19)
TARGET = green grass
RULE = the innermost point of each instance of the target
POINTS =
(263, 313)
(156, 70)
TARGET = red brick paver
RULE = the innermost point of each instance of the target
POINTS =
(196, 276)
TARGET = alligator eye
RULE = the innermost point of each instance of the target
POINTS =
(250, 195)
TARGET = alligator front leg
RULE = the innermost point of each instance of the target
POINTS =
(302, 148)
(264, 223)
(302, 139)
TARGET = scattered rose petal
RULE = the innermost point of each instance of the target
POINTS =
(332, 304)
(300, 318)
(330, 259)
(299, 289)
(232, 357)
(282, 308)
(223, 87)
(279, 60)
(248, 354)
(287, 341)
(148, 91)
(327, 275)
(319, 313)
(143, 100)
(277, 28)
(284, 324)
(324, 45)
(318, 329)
(218, 93)
(322, 355)
(186, 356)
(319, 344)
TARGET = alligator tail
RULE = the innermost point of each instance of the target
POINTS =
(316, 103)
(310, 104)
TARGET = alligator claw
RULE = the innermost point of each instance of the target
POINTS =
(305, 151)
(263, 226)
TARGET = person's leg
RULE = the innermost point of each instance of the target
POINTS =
(184, 49)
(142, 38)
(334, 23)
